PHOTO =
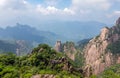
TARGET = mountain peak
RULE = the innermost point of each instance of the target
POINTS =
(118, 21)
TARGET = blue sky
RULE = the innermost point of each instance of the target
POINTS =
(34, 12)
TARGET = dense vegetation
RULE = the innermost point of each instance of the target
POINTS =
(111, 72)
(42, 60)
(79, 57)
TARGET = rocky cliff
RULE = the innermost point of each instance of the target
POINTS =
(68, 48)
(101, 52)
(58, 46)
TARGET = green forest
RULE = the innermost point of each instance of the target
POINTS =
(45, 60)
(42, 60)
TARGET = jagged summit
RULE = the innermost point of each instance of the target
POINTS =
(118, 21)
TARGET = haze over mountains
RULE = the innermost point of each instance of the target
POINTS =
(59, 39)
(22, 38)
(73, 30)
(51, 31)
(27, 33)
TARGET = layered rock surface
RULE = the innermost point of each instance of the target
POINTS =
(97, 56)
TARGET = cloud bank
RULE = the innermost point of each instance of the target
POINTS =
(31, 12)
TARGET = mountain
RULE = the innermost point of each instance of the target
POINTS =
(68, 48)
(6, 46)
(18, 47)
(111, 72)
(73, 30)
(71, 51)
(28, 33)
(103, 50)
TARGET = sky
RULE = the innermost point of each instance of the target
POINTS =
(34, 12)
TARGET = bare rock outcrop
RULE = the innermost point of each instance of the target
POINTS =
(97, 57)
(58, 46)
(43, 76)
(70, 50)
(118, 21)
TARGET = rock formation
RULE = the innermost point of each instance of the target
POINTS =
(43, 76)
(96, 53)
(118, 21)
(70, 50)
(58, 46)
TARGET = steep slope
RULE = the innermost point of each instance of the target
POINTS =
(111, 72)
(72, 51)
(99, 52)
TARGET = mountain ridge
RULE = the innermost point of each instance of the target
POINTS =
(98, 55)
(28, 33)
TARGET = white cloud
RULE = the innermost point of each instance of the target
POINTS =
(113, 14)
(117, 12)
(69, 11)
(53, 10)
(91, 4)
(13, 4)
(17, 10)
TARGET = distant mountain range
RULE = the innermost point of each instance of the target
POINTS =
(20, 35)
(28, 33)
(73, 30)
(19, 47)
(51, 31)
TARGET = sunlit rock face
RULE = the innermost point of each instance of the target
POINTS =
(96, 55)
(58, 46)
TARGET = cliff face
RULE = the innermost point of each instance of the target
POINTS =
(58, 46)
(96, 53)
(70, 50)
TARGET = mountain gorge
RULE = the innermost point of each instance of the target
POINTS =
(103, 50)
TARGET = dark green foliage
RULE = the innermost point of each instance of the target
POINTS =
(38, 62)
(8, 59)
(79, 59)
(114, 47)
